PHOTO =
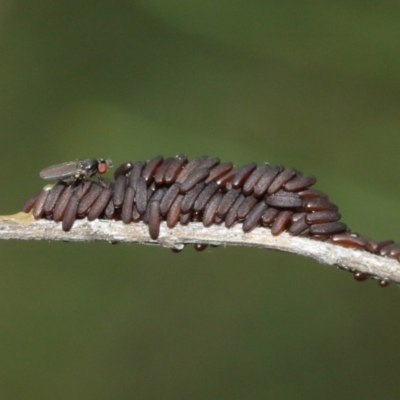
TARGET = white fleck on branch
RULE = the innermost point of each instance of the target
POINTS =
(22, 226)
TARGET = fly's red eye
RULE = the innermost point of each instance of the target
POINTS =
(102, 168)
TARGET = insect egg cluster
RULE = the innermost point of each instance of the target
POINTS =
(178, 190)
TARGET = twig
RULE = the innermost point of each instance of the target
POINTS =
(21, 226)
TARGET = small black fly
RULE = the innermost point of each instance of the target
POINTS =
(72, 171)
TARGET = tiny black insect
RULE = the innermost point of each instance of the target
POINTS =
(72, 171)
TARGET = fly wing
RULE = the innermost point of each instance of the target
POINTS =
(60, 171)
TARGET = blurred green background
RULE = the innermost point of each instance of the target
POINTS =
(314, 85)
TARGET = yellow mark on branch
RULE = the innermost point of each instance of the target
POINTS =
(21, 217)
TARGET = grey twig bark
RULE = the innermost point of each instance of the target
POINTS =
(21, 226)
